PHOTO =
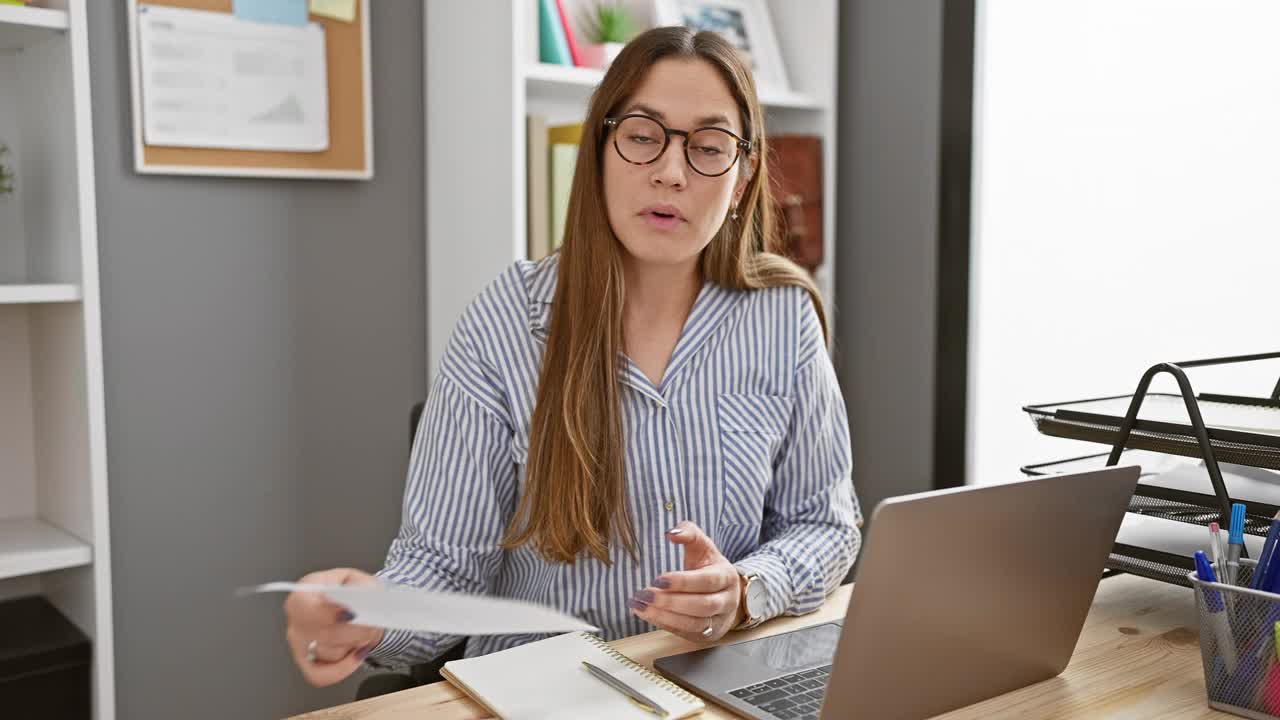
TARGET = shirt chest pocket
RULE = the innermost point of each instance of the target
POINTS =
(752, 429)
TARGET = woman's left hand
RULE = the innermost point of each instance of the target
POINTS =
(704, 595)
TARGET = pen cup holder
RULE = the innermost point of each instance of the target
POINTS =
(1238, 645)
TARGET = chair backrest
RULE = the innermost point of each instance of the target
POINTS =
(415, 415)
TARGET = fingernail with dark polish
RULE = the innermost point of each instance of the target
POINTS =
(345, 616)
(637, 605)
(644, 596)
(662, 583)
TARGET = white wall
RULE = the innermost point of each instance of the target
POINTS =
(1126, 206)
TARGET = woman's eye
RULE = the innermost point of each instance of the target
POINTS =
(641, 139)
(708, 150)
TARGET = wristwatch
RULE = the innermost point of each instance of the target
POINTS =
(752, 601)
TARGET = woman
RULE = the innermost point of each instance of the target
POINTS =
(661, 371)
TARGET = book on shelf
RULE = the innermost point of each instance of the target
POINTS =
(552, 157)
(562, 141)
(537, 196)
(795, 179)
(553, 44)
(575, 53)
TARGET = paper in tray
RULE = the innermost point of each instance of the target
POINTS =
(1173, 537)
(1182, 475)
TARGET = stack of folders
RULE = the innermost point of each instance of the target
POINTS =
(1239, 604)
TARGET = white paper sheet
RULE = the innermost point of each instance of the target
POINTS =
(210, 79)
(403, 608)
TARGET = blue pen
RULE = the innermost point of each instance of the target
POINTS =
(1268, 552)
(1235, 541)
(1271, 584)
(1217, 614)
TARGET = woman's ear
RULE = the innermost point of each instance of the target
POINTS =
(744, 178)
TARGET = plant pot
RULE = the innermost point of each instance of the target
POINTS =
(601, 54)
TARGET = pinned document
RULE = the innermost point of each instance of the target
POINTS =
(212, 80)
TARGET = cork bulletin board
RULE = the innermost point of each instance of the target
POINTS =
(349, 154)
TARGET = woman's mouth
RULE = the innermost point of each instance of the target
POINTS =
(662, 219)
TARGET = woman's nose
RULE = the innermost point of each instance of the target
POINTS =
(669, 169)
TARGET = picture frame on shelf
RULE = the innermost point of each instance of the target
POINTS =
(745, 23)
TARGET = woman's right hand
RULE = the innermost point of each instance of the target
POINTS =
(340, 647)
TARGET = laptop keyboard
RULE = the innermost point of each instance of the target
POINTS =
(797, 696)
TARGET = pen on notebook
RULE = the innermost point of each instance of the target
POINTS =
(636, 696)
(1235, 541)
(1216, 613)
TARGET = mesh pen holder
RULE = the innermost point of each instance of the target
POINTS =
(1238, 645)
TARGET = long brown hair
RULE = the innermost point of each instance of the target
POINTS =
(575, 495)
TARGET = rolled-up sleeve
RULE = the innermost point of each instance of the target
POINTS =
(810, 534)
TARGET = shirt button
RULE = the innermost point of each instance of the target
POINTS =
(670, 506)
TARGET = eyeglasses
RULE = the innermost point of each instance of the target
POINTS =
(641, 140)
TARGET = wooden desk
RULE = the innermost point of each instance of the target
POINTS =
(1138, 657)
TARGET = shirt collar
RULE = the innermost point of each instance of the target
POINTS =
(706, 322)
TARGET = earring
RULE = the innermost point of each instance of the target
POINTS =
(734, 215)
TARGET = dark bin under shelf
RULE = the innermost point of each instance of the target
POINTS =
(44, 663)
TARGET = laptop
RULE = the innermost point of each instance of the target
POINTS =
(961, 595)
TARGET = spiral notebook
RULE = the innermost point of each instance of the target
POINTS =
(546, 679)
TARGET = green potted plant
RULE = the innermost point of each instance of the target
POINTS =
(607, 26)
(6, 176)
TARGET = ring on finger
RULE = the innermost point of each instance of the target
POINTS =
(311, 652)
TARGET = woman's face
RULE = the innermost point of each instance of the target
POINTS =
(665, 213)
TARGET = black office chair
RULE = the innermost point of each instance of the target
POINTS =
(422, 673)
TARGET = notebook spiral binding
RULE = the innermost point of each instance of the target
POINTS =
(648, 674)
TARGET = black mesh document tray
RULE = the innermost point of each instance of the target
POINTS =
(1236, 438)
(1171, 507)
(1239, 433)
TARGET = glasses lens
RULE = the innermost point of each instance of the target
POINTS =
(639, 140)
(712, 152)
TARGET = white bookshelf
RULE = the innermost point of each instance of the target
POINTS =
(483, 78)
(54, 536)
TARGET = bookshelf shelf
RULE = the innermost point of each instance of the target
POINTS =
(29, 546)
(29, 294)
(575, 84)
(536, 73)
(24, 26)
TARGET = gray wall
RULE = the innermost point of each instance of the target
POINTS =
(264, 340)
(887, 217)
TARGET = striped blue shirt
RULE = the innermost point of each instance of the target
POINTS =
(746, 436)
